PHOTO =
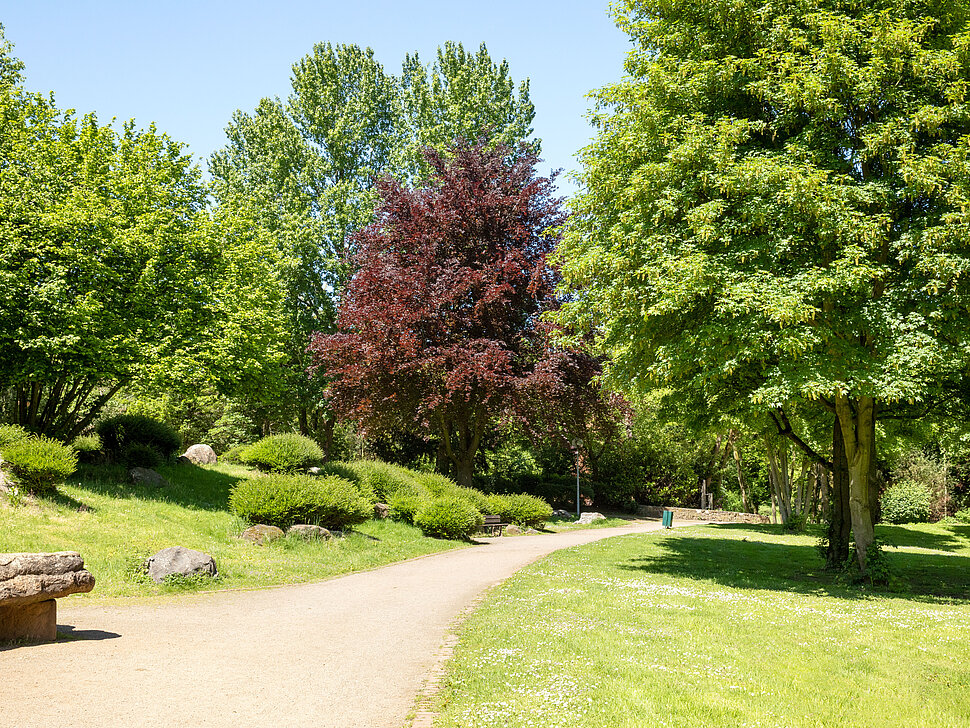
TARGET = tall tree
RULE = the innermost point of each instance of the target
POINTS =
(111, 271)
(461, 95)
(439, 329)
(775, 208)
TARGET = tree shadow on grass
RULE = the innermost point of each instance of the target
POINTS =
(755, 563)
(189, 485)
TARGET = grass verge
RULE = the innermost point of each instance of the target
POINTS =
(116, 526)
(720, 626)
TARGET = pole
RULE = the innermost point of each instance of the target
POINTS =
(577, 443)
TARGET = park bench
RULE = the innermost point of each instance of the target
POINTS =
(29, 584)
(493, 526)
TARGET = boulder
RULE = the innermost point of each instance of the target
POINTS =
(382, 511)
(29, 578)
(262, 534)
(314, 470)
(560, 513)
(179, 560)
(308, 532)
(200, 455)
(513, 530)
(146, 476)
(590, 516)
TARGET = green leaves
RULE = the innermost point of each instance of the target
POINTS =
(774, 207)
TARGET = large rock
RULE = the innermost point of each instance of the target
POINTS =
(200, 455)
(560, 513)
(262, 534)
(513, 530)
(308, 532)
(180, 560)
(382, 511)
(589, 517)
(29, 578)
(146, 476)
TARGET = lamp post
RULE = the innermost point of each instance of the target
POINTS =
(576, 444)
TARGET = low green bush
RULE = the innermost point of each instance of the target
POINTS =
(522, 509)
(10, 434)
(233, 454)
(132, 435)
(284, 499)
(138, 455)
(963, 516)
(448, 517)
(283, 453)
(406, 504)
(39, 464)
(906, 502)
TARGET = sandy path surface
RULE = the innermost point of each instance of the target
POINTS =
(352, 651)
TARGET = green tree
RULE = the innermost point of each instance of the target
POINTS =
(775, 209)
(461, 95)
(111, 271)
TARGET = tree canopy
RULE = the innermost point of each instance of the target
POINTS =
(440, 329)
(774, 209)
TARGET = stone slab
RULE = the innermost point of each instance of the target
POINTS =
(36, 622)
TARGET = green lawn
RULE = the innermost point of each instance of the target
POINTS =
(720, 626)
(116, 526)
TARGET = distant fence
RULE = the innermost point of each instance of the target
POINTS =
(697, 514)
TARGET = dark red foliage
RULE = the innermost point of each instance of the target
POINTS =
(440, 327)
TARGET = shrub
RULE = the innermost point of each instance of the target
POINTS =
(10, 434)
(140, 455)
(132, 434)
(963, 516)
(39, 464)
(406, 504)
(437, 485)
(284, 499)
(522, 509)
(283, 453)
(475, 497)
(448, 517)
(906, 502)
(233, 454)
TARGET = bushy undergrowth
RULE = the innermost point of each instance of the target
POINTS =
(284, 499)
(448, 517)
(906, 502)
(39, 464)
(520, 508)
(138, 440)
(283, 453)
(10, 434)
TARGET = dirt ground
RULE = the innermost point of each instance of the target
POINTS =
(352, 651)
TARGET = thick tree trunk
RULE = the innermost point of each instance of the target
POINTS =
(840, 524)
(857, 420)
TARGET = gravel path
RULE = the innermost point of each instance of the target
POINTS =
(351, 651)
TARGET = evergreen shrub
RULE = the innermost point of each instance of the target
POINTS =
(10, 434)
(448, 517)
(522, 509)
(39, 464)
(405, 505)
(131, 435)
(284, 499)
(906, 502)
(283, 453)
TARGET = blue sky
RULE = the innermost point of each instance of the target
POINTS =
(188, 66)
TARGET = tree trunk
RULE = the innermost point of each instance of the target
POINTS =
(744, 493)
(857, 420)
(840, 524)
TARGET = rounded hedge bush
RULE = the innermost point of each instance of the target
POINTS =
(284, 499)
(39, 464)
(283, 453)
(10, 434)
(125, 435)
(525, 510)
(449, 517)
(906, 502)
(405, 505)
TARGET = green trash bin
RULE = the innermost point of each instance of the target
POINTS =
(668, 519)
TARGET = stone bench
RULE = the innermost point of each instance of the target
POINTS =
(29, 584)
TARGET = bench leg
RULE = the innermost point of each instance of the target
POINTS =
(35, 622)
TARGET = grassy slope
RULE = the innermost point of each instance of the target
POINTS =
(720, 626)
(115, 526)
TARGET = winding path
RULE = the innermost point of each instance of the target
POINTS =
(348, 652)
